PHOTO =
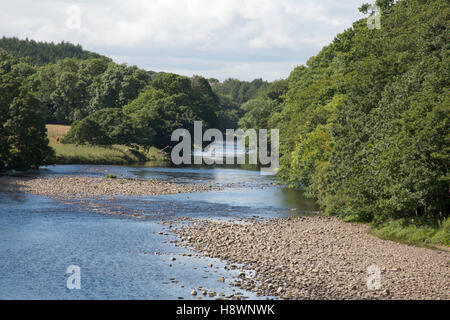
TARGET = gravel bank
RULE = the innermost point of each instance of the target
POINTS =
(320, 258)
(81, 187)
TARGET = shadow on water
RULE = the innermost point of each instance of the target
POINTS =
(296, 199)
(7, 196)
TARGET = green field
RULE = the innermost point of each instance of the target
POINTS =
(87, 154)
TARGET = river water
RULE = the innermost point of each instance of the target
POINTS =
(116, 241)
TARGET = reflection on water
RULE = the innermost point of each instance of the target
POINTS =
(40, 236)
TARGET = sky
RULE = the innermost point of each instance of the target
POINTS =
(243, 39)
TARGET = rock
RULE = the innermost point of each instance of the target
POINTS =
(172, 259)
(193, 293)
(72, 187)
(316, 258)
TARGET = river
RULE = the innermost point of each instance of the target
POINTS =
(116, 242)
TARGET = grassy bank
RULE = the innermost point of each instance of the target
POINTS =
(413, 230)
(86, 154)
(420, 232)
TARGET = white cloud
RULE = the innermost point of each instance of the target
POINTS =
(259, 38)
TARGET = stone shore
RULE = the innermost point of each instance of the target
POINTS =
(319, 258)
(74, 187)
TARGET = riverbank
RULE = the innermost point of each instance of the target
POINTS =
(87, 154)
(416, 231)
(320, 258)
(86, 187)
(113, 155)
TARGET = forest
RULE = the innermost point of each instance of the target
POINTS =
(364, 125)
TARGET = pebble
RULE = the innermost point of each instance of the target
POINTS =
(317, 257)
(81, 186)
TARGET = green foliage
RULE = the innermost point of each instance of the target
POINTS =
(118, 86)
(23, 140)
(233, 94)
(240, 91)
(365, 124)
(171, 102)
(42, 53)
(229, 113)
(416, 231)
(114, 154)
(65, 88)
(116, 127)
(86, 131)
(72, 89)
(257, 113)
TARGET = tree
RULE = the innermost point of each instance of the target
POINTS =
(116, 126)
(171, 102)
(23, 141)
(42, 53)
(86, 131)
(66, 88)
(118, 86)
(258, 112)
(27, 135)
(364, 125)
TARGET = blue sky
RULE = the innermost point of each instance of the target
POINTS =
(242, 39)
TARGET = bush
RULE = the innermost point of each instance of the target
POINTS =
(86, 131)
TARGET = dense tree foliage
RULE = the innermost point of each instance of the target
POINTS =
(118, 86)
(258, 111)
(88, 131)
(239, 91)
(72, 89)
(110, 126)
(233, 94)
(65, 91)
(171, 102)
(42, 53)
(23, 140)
(365, 124)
